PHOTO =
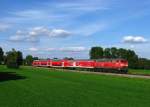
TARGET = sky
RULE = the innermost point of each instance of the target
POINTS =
(69, 28)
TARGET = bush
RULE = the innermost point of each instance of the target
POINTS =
(12, 59)
(29, 60)
(12, 65)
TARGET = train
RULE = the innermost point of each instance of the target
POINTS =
(100, 65)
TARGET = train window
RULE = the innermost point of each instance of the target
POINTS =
(123, 61)
(117, 61)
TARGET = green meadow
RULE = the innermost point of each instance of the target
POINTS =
(139, 72)
(40, 87)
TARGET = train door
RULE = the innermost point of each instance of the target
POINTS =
(74, 64)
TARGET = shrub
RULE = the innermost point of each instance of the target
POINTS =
(12, 65)
(12, 59)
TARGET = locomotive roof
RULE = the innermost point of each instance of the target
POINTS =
(109, 59)
(103, 59)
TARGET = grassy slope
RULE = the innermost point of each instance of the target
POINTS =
(42, 88)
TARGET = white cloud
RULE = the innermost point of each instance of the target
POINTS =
(19, 36)
(50, 49)
(134, 39)
(34, 34)
(56, 11)
(90, 28)
(37, 31)
(33, 49)
(77, 52)
(73, 49)
(29, 13)
(35, 14)
(84, 6)
(4, 27)
(62, 49)
(59, 33)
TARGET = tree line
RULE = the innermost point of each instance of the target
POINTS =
(13, 58)
(134, 60)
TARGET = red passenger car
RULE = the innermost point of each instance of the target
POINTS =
(68, 63)
(98, 65)
(35, 63)
(85, 63)
(56, 63)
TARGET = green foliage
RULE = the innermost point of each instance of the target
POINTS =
(19, 58)
(29, 60)
(35, 58)
(144, 63)
(1, 55)
(68, 58)
(122, 53)
(130, 55)
(132, 59)
(96, 53)
(12, 59)
(107, 53)
(114, 52)
(5, 59)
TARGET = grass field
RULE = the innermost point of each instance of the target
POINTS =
(38, 87)
(139, 72)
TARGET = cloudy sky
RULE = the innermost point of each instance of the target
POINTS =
(59, 28)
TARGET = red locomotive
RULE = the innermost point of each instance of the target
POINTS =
(120, 65)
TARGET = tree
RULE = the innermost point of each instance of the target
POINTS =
(68, 58)
(19, 58)
(96, 53)
(132, 59)
(130, 55)
(55, 58)
(29, 60)
(1, 55)
(4, 59)
(114, 52)
(35, 58)
(144, 63)
(11, 59)
(107, 53)
(122, 53)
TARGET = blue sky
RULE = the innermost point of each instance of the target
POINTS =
(59, 28)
